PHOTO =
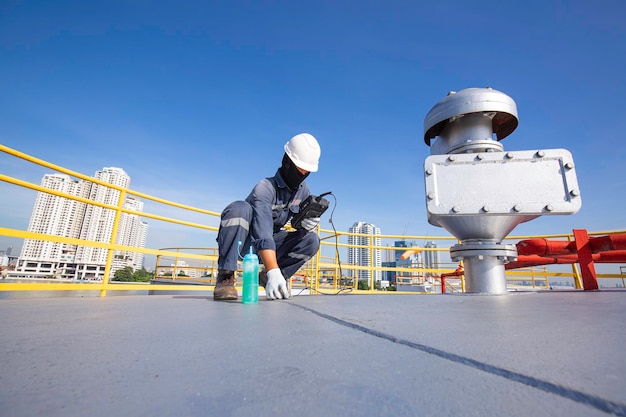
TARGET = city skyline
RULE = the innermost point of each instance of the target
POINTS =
(70, 218)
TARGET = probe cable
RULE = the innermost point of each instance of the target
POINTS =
(342, 288)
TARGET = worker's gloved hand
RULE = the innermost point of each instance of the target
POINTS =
(276, 285)
(310, 224)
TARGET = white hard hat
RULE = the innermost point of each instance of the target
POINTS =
(304, 151)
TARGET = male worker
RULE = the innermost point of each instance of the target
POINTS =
(259, 221)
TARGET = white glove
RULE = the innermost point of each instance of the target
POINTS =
(310, 224)
(276, 285)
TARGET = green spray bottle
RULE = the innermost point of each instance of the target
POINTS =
(250, 293)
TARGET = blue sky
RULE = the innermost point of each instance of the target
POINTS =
(195, 99)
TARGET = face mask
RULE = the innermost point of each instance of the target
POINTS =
(290, 174)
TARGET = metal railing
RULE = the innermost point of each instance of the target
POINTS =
(327, 272)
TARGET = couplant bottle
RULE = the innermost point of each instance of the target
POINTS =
(250, 293)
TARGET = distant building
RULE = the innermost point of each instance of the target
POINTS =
(365, 256)
(389, 261)
(412, 261)
(60, 216)
(431, 258)
(133, 232)
(178, 269)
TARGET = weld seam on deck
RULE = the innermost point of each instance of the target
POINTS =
(546, 386)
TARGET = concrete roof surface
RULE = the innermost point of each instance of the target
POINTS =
(522, 354)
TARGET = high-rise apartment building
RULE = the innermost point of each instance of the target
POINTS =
(431, 258)
(98, 221)
(61, 216)
(56, 216)
(365, 256)
(132, 231)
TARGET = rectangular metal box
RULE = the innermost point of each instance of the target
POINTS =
(536, 182)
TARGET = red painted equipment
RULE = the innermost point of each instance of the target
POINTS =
(525, 261)
(545, 247)
(584, 250)
(457, 273)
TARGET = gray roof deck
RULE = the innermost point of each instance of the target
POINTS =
(522, 354)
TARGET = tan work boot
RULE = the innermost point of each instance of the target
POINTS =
(225, 286)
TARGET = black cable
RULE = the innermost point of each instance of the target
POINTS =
(330, 220)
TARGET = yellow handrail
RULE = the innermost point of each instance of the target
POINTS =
(324, 273)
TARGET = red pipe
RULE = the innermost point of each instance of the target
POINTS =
(610, 257)
(457, 273)
(523, 261)
(526, 261)
(545, 247)
(608, 243)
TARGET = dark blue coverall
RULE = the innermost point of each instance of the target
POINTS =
(258, 220)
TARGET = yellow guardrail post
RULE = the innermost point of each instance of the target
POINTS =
(111, 251)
